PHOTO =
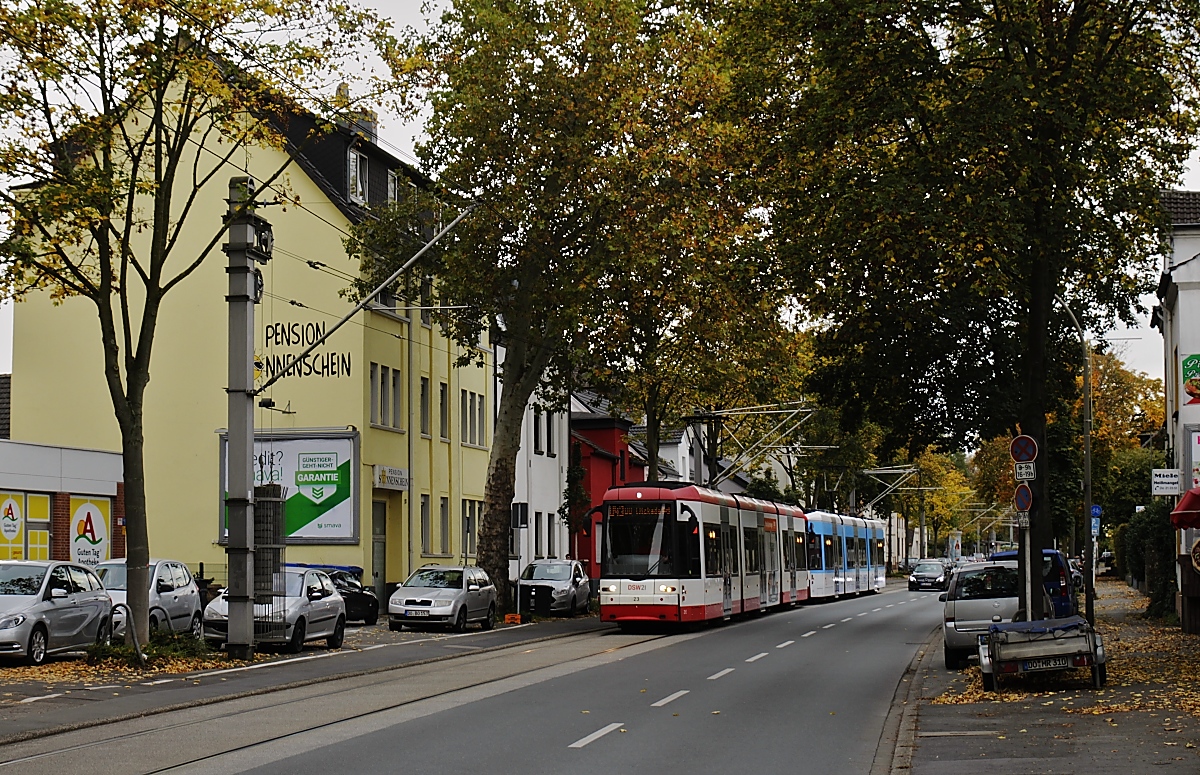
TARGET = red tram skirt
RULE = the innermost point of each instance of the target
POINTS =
(641, 613)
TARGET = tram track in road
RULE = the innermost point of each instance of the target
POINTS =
(259, 706)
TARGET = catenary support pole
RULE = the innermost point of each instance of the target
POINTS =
(250, 240)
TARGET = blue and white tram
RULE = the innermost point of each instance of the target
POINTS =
(845, 554)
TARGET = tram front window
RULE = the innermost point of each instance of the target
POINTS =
(641, 540)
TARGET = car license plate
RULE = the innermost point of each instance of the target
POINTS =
(1049, 663)
(416, 613)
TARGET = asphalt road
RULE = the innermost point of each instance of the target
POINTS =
(805, 690)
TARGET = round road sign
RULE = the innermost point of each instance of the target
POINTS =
(1023, 497)
(1024, 449)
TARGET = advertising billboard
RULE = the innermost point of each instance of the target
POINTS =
(319, 477)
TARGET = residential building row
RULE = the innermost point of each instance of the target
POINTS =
(379, 439)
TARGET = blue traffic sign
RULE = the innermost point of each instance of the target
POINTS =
(1095, 527)
(1096, 510)
(1023, 497)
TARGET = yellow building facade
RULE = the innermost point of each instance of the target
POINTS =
(382, 391)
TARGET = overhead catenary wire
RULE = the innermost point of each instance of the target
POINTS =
(366, 299)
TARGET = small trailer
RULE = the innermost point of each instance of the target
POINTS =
(1016, 648)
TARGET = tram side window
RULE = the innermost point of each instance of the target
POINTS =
(877, 553)
(801, 552)
(712, 553)
(789, 552)
(750, 535)
(832, 544)
(814, 551)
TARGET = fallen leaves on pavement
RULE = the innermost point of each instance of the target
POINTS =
(1151, 666)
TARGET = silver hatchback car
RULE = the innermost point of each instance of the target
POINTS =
(47, 607)
(174, 596)
(980, 594)
(442, 594)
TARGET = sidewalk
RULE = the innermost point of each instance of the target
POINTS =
(1147, 718)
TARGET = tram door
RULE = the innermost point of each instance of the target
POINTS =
(728, 569)
(769, 575)
(790, 559)
(864, 565)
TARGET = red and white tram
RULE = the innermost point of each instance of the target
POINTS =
(677, 552)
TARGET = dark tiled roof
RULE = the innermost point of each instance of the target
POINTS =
(5, 406)
(1182, 206)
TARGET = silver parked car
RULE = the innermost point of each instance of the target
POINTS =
(174, 596)
(452, 595)
(980, 594)
(311, 610)
(51, 606)
(554, 585)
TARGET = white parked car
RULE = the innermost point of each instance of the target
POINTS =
(312, 610)
(174, 596)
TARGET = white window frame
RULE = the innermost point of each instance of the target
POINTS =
(356, 177)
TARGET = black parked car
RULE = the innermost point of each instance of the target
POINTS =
(361, 603)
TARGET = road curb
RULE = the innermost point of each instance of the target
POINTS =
(893, 754)
(36, 734)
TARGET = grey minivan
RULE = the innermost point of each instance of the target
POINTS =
(51, 606)
(980, 593)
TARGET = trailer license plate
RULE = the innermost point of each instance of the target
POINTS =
(416, 613)
(1049, 663)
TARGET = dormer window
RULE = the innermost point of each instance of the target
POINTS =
(358, 177)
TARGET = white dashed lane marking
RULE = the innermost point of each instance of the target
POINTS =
(669, 698)
(785, 644)
(715, 676)
(810, 632)
(831, 624)
(599, 733)
(848, 618)
(757, 657)
(873, 610)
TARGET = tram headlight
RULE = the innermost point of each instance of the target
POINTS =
(609, 588)
(666, 588)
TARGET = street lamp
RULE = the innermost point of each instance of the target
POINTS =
(1089, 553)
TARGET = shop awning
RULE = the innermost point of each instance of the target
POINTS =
(1187, 513)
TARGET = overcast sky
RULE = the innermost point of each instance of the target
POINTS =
(1141, 348)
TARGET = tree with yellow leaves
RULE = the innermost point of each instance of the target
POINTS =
(115, 116)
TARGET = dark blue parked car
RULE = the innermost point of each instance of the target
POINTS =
(1056, 575)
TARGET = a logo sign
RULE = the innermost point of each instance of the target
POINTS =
(10, 519)
(1196, 554)
(1023, 449)
(1189, 370)
(317, 475)
(388, 478)
(1165, 481)
(89, 531)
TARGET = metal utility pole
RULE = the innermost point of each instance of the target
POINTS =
(1089, 543)
(250, 242)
